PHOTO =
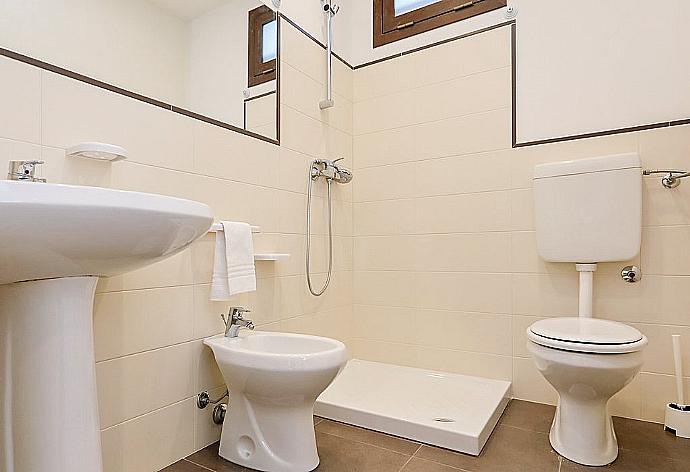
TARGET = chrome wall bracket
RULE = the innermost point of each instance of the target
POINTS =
(631, 274)
(671, 179)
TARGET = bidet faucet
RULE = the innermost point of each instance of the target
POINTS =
(235, 321)
(24, 171)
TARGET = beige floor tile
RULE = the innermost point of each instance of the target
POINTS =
(508, 448)
(366, 436)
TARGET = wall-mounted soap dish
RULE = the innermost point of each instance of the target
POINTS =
(98, 151)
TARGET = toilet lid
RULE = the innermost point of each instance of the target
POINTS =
(586, 335)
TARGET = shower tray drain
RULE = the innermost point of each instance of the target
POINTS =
(444, 420)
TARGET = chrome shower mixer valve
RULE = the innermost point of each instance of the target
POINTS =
(329, 170)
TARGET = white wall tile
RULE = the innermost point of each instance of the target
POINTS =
(129, 446)
(464, 174)
(384, 78)
(468, 213)
(135, 385)
(480, 132)
(391, 146)
(136, 321)
(233, 156)
(476, 93)
(662, 254)
(20, 95)
(486, 293)
(171, 272)
(477, 53)
(75, 112)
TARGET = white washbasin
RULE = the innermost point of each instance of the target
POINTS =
(55, 241)
(51, 230)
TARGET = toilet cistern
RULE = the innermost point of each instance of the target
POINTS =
(235, 321)
(589, 211)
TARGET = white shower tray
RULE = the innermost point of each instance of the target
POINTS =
(453, 411)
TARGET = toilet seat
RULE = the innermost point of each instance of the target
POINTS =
(590, 335)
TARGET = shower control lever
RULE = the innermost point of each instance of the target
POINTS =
(328, 169)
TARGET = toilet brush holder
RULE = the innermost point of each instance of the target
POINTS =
(678, 414)
(678, 420)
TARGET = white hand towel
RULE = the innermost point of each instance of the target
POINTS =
(233, 262)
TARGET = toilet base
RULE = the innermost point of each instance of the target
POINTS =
(599, 447)
(270, 437)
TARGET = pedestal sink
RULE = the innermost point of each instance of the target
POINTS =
(55, 241)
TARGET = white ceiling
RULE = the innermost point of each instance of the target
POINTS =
(188, 9)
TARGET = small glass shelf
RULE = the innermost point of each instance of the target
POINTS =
(271, 257)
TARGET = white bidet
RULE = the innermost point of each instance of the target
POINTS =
(274, 380)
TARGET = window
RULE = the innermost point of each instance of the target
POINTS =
(263, 46)
(398, 19)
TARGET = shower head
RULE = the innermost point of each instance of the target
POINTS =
(329, 7)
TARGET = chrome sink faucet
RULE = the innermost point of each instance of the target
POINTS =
(235, 321)
(24, 171)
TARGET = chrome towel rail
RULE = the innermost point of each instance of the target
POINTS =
(219, 227)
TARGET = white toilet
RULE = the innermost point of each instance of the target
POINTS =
(587, 211)
(274, 379)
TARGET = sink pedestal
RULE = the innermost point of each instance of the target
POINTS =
(48, 402)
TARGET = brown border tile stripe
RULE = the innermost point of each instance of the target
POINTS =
(260, 96)
(279, 28)
(82, 78)
(437, 43)
(137, 96)
(664, 124)
(152, 101)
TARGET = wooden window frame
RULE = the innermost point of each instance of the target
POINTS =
(258, 71)
(389, 28)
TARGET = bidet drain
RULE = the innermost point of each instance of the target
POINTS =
(444, 420)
